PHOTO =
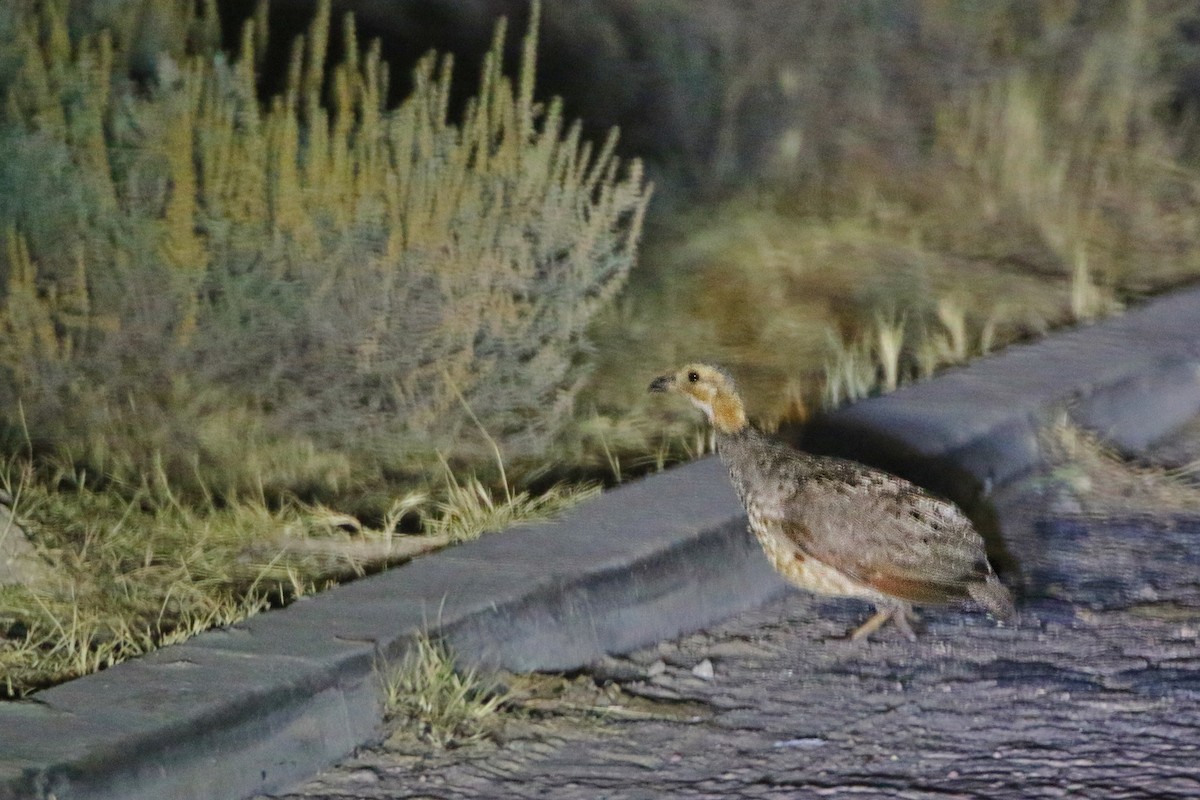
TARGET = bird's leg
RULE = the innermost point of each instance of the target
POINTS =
(873, 624)
(903, 617)
(898, 614)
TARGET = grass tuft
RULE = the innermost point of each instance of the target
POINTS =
(429, 698)
(1105, 482)
(469, 509)
(892, 352)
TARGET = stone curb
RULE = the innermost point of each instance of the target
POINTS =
(1132, 378)
(263, 704)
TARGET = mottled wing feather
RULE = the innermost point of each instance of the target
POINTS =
(878, 529)
(921, 592)
(885, 532)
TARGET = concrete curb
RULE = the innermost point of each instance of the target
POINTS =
(1132, 378)
(260, 705)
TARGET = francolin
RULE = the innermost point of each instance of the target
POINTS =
(837, 527)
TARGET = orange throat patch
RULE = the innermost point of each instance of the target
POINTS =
(728, 416)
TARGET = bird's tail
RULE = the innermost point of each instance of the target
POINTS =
(992, 595)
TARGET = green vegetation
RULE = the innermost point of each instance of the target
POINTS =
(135, 573)
(212, 307)
(425, 696)
(305, 297)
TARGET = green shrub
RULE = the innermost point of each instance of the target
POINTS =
(292, 296)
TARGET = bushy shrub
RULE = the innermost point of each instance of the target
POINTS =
(223, 294)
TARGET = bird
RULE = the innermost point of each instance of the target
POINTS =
(837, 527)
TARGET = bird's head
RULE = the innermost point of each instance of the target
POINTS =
(710, 389)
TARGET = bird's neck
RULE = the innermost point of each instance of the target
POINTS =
(728, 416)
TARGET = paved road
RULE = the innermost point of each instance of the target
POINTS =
(1065, 705)
(1095, 692)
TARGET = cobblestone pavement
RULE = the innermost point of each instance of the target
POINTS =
(1067, 704)
(1074, 700)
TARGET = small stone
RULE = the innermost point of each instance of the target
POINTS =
(363, 776)
(20, 563)
(805, 743)
(657, 668)
(704, 670)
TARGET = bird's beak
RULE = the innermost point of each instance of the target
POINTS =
(662, 383)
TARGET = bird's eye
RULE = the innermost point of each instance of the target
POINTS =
(693, 376)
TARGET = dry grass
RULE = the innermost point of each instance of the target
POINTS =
(627, 444)
(1103, 482)
(427, 698)
(783, 302)
(135, 573)
(469, 509)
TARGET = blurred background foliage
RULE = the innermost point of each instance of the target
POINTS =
(880, 189)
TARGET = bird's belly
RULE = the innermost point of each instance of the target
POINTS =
(810, 574)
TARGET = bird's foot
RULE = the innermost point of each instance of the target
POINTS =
(903, 617)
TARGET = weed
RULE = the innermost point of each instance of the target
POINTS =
(437, 703)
